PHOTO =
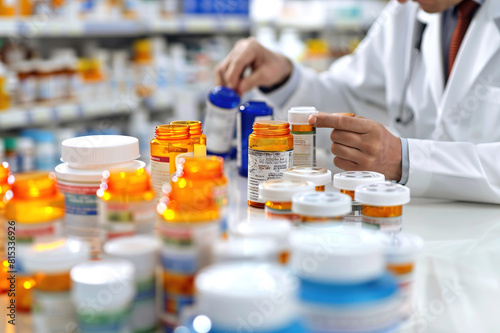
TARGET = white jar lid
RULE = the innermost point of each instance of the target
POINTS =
(402, 248)
(382, 194)
(96, 150)
(229, 291)
(349, 180)
(282, 190)
(59, 255)
(245, 249)
(321, 204)
(64, 173)
(277, 229)
(299, 115)
(339, 255)
(141, 250)
(317, 176)
(110, 278)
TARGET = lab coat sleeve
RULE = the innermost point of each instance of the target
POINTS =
(455, 170)
(354, 83)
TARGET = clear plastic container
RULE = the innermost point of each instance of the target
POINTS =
(277, 194)
(318, 176)
(80, 175)
(304, 136)
(347, 182)
(382, 205)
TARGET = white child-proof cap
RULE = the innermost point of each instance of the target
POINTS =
(230, 294)
(299, 115)
(98, 150)
(402, 248)
(246, 249)
(317, 176)
(340, 255)
(382, 194)
(349, 180)
(321, 204)
(56, 256)
(277, 229)
(108, 279)
(142, 251)
(282, 190)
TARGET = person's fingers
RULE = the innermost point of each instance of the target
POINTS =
(255, 79)
(345, 164)
(347, 138)
(346, 153)
(237, 65)
(352, 124)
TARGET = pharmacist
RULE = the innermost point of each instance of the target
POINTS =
(429, 70)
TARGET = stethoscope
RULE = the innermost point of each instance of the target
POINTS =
(402, 118)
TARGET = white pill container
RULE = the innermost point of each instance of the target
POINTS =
(320, 177)
(321, 208)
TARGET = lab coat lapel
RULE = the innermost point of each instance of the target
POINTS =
(480, 43)
(431, 53)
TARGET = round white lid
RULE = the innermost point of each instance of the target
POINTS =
(97, 150)
(278, 229)
(402, 247)
(65, 173)
(299, 115)
(59, 255)
(245, 249)
(317, 176)
(382, 194)
(321, 204)
(141, 250)
(112, 277)
(349, 180)
(282, 190)
(337, 255)
(236, 288)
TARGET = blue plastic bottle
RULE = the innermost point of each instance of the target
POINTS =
(220, 119)
(249, 113)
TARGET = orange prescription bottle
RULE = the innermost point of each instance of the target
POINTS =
(50, 263)
(325, 208)
(196, 134)
(277, 194)
(304, 135)
(189, 225)
(8, 8)
(170, 142)
(270, 153)
(26, 7)
(143, 59)
(36, 209)
(318, 176)
(126, 206)
(4, 188)
(347, 182)
(383, 205)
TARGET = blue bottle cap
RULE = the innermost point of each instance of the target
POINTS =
(224, 97)
(256, 108)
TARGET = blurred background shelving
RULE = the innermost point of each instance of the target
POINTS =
(77, 67)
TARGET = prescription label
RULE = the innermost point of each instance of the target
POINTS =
(160, 173)
(265, 165)
(80, 205)
(52, 310)
(385, 224)
(126, 219)
(304, 149)
(143, 317)
(116, 321)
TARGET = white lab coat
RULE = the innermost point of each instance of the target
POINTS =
(454, 140)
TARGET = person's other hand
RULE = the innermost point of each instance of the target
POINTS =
(268, 68)
(361, 144)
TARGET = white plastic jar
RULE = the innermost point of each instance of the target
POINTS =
(382, 205)
(347, 182)
(260, 249)
(278, 193)
(320, 177)
(321, 208)
(109, 284)
(49, 263)
(79, 177)
(143, 252)
(278, 230)
(247, 297)
(343, 283)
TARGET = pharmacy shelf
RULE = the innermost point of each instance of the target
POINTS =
(313, 26)
(45, 115)
(186, 24)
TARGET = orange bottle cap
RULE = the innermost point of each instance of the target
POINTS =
(130, 181)
(31, 185)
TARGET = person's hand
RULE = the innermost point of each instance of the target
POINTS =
(361, 144)
(268, 68)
